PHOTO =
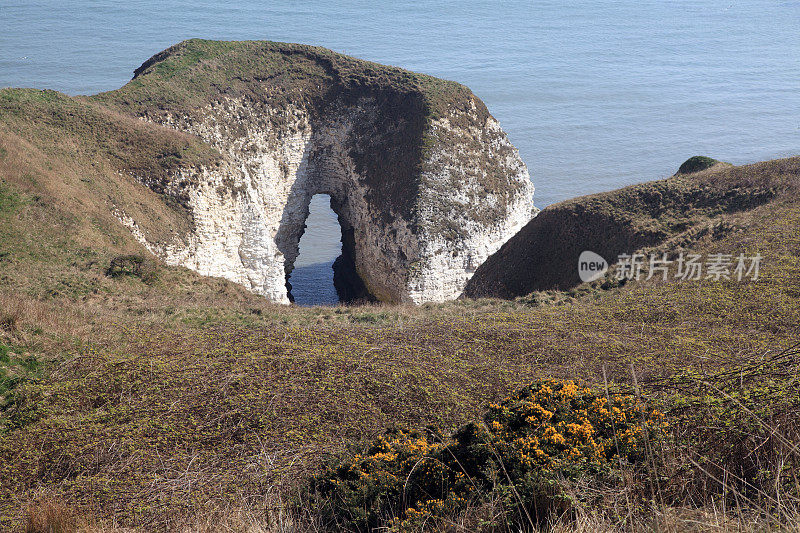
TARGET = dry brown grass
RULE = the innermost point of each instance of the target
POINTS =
(50, 517)
(49, 514)
(20, 315)
(55, 517)
(672, 520)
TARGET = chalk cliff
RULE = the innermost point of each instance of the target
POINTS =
(424, 181)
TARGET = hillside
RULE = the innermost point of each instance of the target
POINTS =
(160, 398)
(668, 215)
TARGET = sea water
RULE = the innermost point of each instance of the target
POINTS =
(595, 94)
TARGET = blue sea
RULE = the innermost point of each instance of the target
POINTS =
(595, 94)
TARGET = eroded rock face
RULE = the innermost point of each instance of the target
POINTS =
(422, 199)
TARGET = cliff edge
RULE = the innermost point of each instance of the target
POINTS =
(425, 183)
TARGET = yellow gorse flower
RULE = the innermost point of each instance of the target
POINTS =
(553, 428)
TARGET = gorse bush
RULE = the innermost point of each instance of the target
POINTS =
(519, 457)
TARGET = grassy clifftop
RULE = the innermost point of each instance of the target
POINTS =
(192, 73)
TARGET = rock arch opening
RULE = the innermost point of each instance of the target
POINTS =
(324, 270)
(310, 281)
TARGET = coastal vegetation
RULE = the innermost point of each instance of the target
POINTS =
(138, 396)
(187, 401)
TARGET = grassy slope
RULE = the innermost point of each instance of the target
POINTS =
(78, 157)
(150, 403)
(668, 213)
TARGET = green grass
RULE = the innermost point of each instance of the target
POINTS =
(9, 200)
(698, 163)
(17, 366)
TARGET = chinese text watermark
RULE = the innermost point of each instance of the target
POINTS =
(592, 266)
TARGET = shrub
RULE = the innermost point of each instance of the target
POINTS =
(518, 455)
(132, 265)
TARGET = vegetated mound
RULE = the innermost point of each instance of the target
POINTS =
(544, 254)
(698, 163)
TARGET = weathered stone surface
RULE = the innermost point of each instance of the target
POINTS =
(421, 175)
